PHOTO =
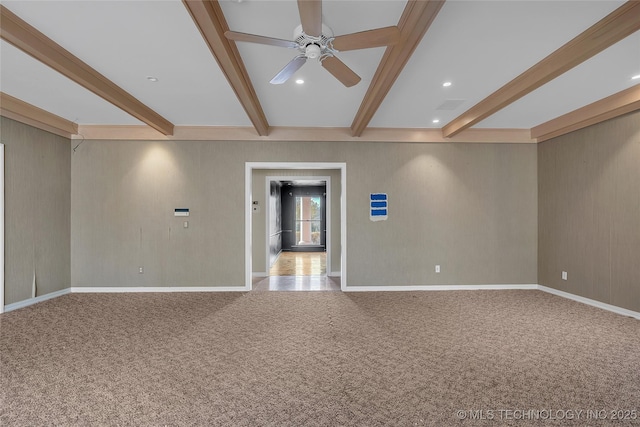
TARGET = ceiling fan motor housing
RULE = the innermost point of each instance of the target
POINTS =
(313, 47)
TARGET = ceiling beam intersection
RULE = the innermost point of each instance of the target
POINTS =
(24, 112)
(623, 102)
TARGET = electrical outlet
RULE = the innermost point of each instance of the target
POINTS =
(437, 268)
(186, 224)
(141, 270)
(564, 275)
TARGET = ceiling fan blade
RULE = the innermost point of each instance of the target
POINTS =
(340, 71)
(311, 17)
(288, 70)
(373, 38)
(252, 38)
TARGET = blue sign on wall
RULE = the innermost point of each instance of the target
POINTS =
(378, 207)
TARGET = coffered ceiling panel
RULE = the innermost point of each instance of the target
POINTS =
(31, 81)
(127, 41)
(601, 76)
(479, 46)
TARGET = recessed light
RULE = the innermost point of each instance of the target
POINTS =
(636, 77)
(152, 79)
(446, 84)
(299, 81)
(436, 120)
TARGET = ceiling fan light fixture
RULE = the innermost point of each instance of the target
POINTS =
(313, 51)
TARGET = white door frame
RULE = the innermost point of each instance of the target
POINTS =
(327, 180)
(248, 173)
(1, 228)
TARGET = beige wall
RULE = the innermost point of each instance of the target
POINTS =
(485, 213)
(471, 208)
(37, 210)
(258, 223)
(589, 212)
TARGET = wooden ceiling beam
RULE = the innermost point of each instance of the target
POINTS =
(619, 24)
(414, 23)
(607, 108)
(31, 41)
(24, 112)
(208, 17)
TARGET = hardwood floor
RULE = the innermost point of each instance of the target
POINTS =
(300, 264)
(298, 271)
(296, 283)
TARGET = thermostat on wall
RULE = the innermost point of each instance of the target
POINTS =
(181, 212)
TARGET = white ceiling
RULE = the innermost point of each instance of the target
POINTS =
(478, 45)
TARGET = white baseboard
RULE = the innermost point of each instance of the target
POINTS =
(591, 302)
(122, 289)
(31, 301)
(436, 288)
(259, 274)
(583, 300)
(335, 274)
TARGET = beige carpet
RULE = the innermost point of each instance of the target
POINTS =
(316, 359)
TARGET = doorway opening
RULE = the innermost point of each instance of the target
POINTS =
(303, 215)
(298, 223)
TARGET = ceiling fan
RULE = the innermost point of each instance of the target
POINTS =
(314, 40)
